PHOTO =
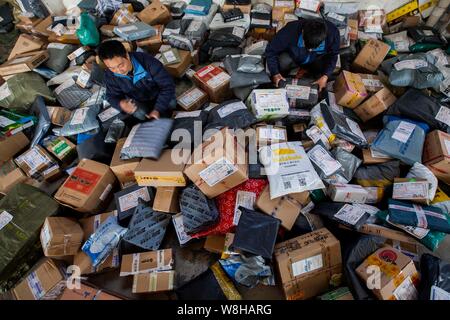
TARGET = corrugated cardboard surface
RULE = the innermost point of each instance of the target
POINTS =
(64, 236)
(153, 282)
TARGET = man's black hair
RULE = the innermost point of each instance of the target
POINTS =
(314, 32)
(111, 49)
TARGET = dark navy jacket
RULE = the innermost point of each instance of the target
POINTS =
(290, 39)
(151, 84)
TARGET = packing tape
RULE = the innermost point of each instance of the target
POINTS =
(160, 259)
(178, 180)
(387, 268)
(403, 10)
(135, 263)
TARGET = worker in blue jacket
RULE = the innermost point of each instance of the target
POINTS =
(137, 83)
(311, 44)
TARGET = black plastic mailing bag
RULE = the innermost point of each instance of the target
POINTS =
(232, 114)
(435, 278)
(301, 92)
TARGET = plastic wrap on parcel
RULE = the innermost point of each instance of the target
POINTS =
(232, 114)
(435, 278)
(82, 120)
(25, 209)
(242, 79)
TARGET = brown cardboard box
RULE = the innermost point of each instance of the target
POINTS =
(108, 30)
(28, 19)
(160, 173)
(61, 236)
(123, 169)
(59, 115)
(177, 70)
(215, 82)
(215, 243)
(244, 8)
(371, 56)
(88, 187)
(372, 82)
(353, 25)
(34, 161)
(124, 16)
(53, 173)
(368, 157)
(153, 44)
(10, 175)
(153, 282)
(145, 262)
(166, 200)
(23, 62)
(65, 38)
(349, 90)
(84, 262)
(26, 43)
(41, 28)
(436, 154)
(155, 13)
(384, 232)
(62, 149)
(307, 264)
(87, 292)
(91, 224)
(268, 134)
(397, 272)
(375, 105)
(286, 208)
(411, 189)
(44, 282)
(218, 164)
(10, 146)
(192, 99)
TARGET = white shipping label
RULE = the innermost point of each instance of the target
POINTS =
(83, 78)
(20, 60)
(336, 16)
(105, 193)
(428, 33)
(205, 71)
(307, 265)
(410, 190)
(218, 80)
(190, 97)
(406, 290)
(417, 232)
(77, 53)
(4, 122)
(5, 218)
(257, 45)
(108, 114)
(410, 64)
(217, 171)
(183, 237)
(128, 28)
(311, 5)
(170, 56)
(377, 154)
(403, 131)
(366, 208)
(372, 194)
(372, 83)
(350, 214)
(332, 99)
(45, 236)
(439, 294)
(64, 85)
(192, 114)
(284, 3)
(272, 133)
(55, 45)
(261, 22)
(130, 137)
(230, 108)
(245, 199)
(354, 127)
(130, 200)
(79, 116)
(192, 7)
(239, 32)
(194, 26)
(35, 286)
(323, 160)
(298, 92)
(34, 159)
(5, 92)
(443, 115)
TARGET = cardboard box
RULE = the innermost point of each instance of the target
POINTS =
(62, 149)
(53, 173)
(88, 187)
(28, 18)
(123, 169)
(218, 164)
(375, 105)
(128, 199)
(135, 31)
(61, 236)
(371, 56)
(436, 151)
(153, 44)
(349, 90)
(372, 82)
(10, 175)
(153, 282)
(42, 27)
(78, 52)
(353, 25)
(215, 243)
(371, 157)
(155, 13)
(26, 43)
(215, 82)
(307, 264)
(84, 262)
(384, 232)
(123, 16)
(108, 30)
(268, 134)
(87, 292)
(286, 208)
(23, 62)
(34, 161)
(146, 262)
(412, 189)
(160, 173)
(65, 38)
(398, 274)
(245, 8)
(177, 70)
(351, 193)
(90, 224)
(45, 282)
(166, 200)
(10, 146)
(193, 99)
(59, 115)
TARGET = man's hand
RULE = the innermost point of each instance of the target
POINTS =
(153, 115)
(127, 106)
(322, 82)
(277, 78)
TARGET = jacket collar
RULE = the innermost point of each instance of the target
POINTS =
(320, 48)
(138, 74)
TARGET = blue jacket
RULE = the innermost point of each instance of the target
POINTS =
(290, 39)
(151, 84)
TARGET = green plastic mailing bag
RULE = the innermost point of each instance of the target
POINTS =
(87, 32)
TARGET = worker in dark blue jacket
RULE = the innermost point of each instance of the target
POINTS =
(311, 44)
(137, 83)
